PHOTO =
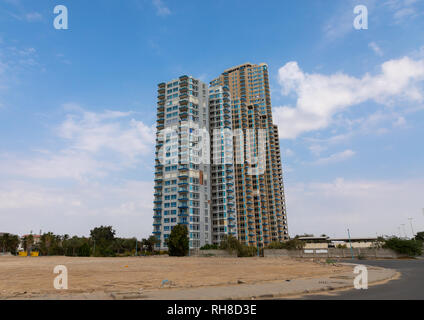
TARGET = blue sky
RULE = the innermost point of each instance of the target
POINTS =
(78, 107)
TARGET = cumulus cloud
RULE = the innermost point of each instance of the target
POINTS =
(320, 97)
(366, 207)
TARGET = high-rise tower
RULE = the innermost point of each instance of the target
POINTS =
(182, 170)
(223, 211)
(218, 163)
(260, 201)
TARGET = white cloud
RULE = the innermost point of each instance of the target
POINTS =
(317, 149)
(336, 157)
(127, 206)
(377, 50)
(72, 189)
(65, 164)
(320, 97)
(161, 8)
(94, 132)
(400, 122)
(403, 10)
(366, 207)
(94, 144)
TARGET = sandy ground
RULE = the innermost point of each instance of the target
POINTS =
(29, 276)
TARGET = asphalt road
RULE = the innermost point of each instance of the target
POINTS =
(410, 285)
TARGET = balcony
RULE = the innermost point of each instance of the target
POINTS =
(183, 205)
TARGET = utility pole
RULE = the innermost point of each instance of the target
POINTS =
(404, 231)
(412, 229)
(136, 246)
(350, 242)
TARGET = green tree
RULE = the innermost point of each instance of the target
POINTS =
(420, 236)
(178, 242)
(47, 241)
(104, 239)
(9, 243)
(28, 242)
(150, 243)
(84, 250)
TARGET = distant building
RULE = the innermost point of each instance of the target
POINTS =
(327, 242)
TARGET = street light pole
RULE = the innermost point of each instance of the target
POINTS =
(404, 231)
(350, 242)
(412, 229)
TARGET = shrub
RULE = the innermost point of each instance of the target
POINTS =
(411, 248)
(210, 247)
(293, 244)
(276, 245)
(247, 251)
(230, 243)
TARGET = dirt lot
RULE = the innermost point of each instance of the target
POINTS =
(30, 276)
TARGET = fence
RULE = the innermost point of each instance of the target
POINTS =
(369, 253)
